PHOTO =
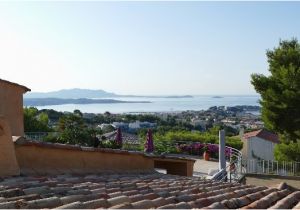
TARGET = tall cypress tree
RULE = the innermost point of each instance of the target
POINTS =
(280, 92)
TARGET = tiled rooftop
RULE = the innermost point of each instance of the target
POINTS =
(264, 134)
(126, 137)
(141, 190)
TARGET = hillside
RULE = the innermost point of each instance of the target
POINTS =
(71, 93)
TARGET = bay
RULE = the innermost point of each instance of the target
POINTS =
(195, 103)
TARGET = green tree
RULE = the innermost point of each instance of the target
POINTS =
(35, 121)
(77, 112)
(74, 130)
(287, 151)
(108, 129)
(280, 92)
(52, 114)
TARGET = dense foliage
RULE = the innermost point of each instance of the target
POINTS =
(199, 149)
(175, 141)
(280, 92)
(110, 144)
(201, 137)
(289, 151)
(73, 130)
(35, 121)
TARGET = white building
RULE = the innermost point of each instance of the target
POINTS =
(124, 126)
(137, 125)
(259, 145)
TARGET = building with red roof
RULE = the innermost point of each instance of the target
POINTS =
(259, 144)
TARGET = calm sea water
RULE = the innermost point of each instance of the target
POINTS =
(159, 104)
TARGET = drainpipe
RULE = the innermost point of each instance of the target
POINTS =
(222, 161)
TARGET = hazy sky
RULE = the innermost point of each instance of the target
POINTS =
(142, 47)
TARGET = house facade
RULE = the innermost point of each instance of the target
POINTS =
(11, 105)
(259, 145)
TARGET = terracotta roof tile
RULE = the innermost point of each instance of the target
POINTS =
(122, 206)
(160, 202)
(23, 197)
(264, 134)
(74, 205)
(118, 200)
(14, 204)
(182, 205)
(287, 202)
(297, 206)
(143, 204)
(139, 190)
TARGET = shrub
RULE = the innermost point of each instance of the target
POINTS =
(199, 148)
(190, 142)
(234, 142)
(51, 137)
(186, 136)
(109, 144)
(163, 146)
(287, 151)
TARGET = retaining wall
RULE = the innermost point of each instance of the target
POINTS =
(46, 158)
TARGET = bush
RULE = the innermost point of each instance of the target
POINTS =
(234, 142)
(132, 147)
(109, 144)
(51, 137)
(199, 148)
(188, 136)
(198, 137)
(163, 146)
(287, 151)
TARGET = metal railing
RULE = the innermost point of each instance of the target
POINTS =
(281, 168)
(38, 136)
(234, 171)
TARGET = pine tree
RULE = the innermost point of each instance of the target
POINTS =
(280, 92)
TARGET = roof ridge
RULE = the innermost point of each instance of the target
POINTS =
(15, 84)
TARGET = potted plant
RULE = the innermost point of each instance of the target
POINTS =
(206, 155)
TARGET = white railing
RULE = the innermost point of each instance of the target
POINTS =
(234, 170)
(281, 168)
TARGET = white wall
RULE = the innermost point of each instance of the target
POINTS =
(261, 148)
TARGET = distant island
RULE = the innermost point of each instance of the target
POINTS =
(185, 96)
(137, 96)
(60, 101)
(217, 97)
(77, 93)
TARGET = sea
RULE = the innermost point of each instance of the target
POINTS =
(163, 104)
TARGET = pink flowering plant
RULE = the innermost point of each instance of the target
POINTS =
(200, 148)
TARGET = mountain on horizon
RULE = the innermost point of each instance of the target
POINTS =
(71, 93)
(76, 93)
